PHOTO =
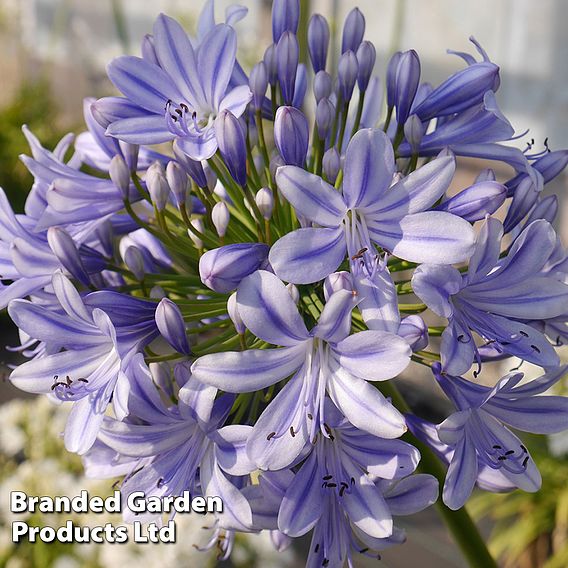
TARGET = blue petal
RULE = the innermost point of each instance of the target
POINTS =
(369, 167)
(434, 284)
(268, 310)
(432, 236)
(143, 83)
(250, 370)
(461, 475)
(176, 57)
(308, 255)
(311, 196)
(215, 61)
(150, 129)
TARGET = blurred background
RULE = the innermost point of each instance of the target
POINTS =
(53, 54)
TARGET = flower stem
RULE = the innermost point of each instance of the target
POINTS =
(459, 523)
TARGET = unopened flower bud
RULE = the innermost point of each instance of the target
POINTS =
(134, 261)
(233, 311)
(347, 70)
(287, 57)
(223, 268)
(294, 292)
(392, 68)
(130, 153)
(231, 139)
(318, 41)
(171, 325)
(176, 177)
(157, 185)
(414, 131)
(285, 17)
(353, 31)
(197, 224)
(220, 216)
(325, 111)
(366, 57)
(157, 293)
(322, 85)
(258, 83)
(265, 202)
(64, 248)
(414, 331)
(407, 80)
(291, 135)
(120, 175)
(271, 63)
(337, 281)
(331, 164)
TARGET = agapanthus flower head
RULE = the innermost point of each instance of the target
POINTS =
(227, 314)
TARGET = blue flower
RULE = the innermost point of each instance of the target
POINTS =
(346, 490)
(325, 360)
(477, 438)
(85, 351)
(495, 296)
(180, 96)
(181, 447)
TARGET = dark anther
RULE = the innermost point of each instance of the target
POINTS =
(327, 477)
(535, 348)
(475, 374)
(310, 416)
(352, 481)
(81, 380)
(328, 432)
(292, 433)
(502, 458)
(332, 485)
(524, 333)
(363, 550)
(525, 461)
(532, 141)
(325, 562)
(193, 115)
(344, 486)
(160, 482)
(68, 380)
(115, 484)
(168, 103)
(510, 452)
(359, 254)
(271, 435)
(497, 447)
(558, 342)
(316, 549)
(174, 117)
(523, 448)
(178, 111)
(184, 107)
(505, 343)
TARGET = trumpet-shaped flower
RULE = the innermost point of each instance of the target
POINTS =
(325, 360)
(180, 96)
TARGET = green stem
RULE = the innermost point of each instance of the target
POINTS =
(459, 523)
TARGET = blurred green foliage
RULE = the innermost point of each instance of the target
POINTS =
(33, 105)
(530, 529)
